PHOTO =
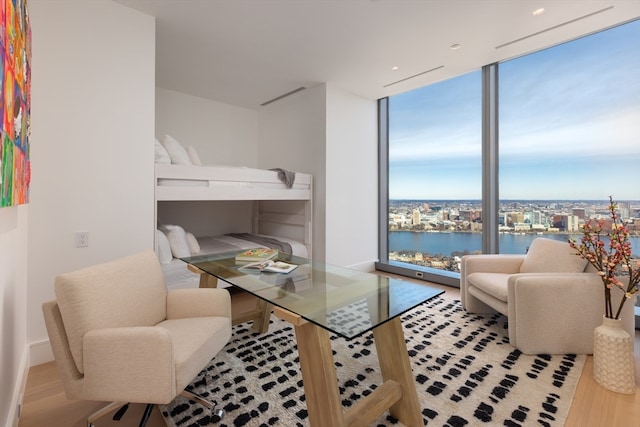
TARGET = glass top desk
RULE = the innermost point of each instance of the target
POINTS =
(318, 298)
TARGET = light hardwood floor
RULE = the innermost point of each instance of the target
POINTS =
(45, 404)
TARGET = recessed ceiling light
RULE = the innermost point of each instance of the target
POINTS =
(394, 68)
(456, 46)
(538, 12)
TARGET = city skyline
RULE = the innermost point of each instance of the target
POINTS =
(479, 201)
(628, 209)
(569, 127)
(431, 232)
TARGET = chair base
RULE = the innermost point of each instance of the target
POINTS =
(210, 405)
(123, 406)
(105, 410)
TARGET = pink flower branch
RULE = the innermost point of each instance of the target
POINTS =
(610, 260)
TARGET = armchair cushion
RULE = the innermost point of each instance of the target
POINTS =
(129, 291)
(497, 263)
(494, 284)
(551, 256)
(194, 340)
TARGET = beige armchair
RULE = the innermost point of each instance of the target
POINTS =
(118, 335)
(552, 297)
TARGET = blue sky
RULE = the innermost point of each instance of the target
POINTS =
(569, 126)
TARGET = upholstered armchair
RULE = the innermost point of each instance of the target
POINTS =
(118, 335)
(553, 298)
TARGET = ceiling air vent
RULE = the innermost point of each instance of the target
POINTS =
(555, 27)
(414, 76)
(284, 95)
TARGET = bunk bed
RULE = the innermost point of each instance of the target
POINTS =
(212, 205)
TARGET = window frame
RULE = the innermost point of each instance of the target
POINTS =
(490, 182)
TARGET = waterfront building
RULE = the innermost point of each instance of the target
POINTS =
(415, 217)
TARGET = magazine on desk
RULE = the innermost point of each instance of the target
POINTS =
(269, 266)
(256, 254)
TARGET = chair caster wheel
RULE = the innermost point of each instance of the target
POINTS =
(218, 415)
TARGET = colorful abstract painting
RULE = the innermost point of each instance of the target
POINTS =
(15, 101)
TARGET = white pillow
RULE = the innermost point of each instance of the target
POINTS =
(162, 156)
(194, 246)
(177, 152)
(163, 248)
(193, 155)
(177, 240)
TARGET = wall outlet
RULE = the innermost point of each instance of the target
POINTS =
(82, 239)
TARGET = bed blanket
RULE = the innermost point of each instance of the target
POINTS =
(287, 177)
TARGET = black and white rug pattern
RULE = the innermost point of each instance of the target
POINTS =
(466, 374)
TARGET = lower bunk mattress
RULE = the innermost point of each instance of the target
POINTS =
(178, 276)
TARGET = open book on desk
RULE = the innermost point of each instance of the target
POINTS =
(269, 266)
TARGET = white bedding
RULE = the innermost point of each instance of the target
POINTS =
(177, 275)
(188, 182)
(181, 177)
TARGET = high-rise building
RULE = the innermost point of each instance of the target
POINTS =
(415, 217)
(570, 223)
(624, 209)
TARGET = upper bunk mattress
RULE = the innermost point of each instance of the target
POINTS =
(181, 182)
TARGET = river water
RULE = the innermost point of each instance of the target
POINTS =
(446, 243)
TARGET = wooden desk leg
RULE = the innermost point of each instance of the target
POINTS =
(262, 317)
(208, 281)
(319, 376)
(395, 365)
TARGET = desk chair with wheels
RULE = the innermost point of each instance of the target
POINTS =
(118, 335)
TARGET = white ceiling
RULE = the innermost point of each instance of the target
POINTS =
(247, 52)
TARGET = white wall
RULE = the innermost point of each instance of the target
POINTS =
(325, 131)
(206, 218)
(351, 180)
(222, 134)
(331, 134)
(92, 143)
(13, 308)
(292, 135)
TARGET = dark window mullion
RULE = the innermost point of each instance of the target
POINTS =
(383, 179)
(490, 199)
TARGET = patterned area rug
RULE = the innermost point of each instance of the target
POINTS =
(466, 373)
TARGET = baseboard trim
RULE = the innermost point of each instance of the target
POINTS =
(366, 267)
(34, 354)
(17, 396)
(40, 352)
(427, 274)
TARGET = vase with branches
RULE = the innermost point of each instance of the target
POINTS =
(612, 259)
(613, 366)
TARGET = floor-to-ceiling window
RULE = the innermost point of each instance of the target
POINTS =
(568, 137)
(435, 173)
